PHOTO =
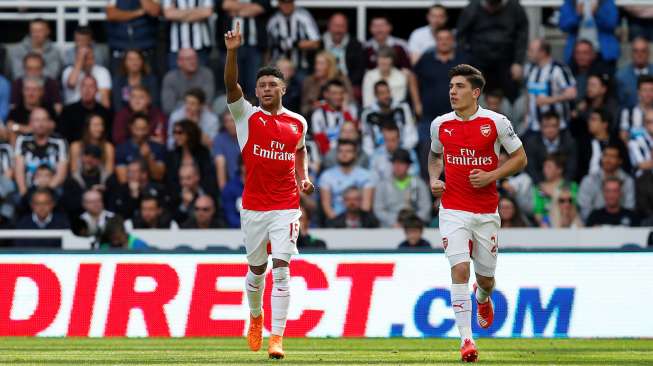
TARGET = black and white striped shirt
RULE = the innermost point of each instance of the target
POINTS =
(549, 80)
(252, 29)
(6, 158)
(34, 155)
(285, 32)
(641, 149)
(194, 35)
(632, 121)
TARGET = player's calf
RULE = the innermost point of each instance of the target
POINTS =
(484, 308)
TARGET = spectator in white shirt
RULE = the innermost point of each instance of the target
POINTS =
(423, 38)
(385, 70)
(85, 65)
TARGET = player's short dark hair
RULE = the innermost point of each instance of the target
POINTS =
(470, 73)
(644, 79)
(137, 116)
(550, 114)
(343, 142)
(270, 71)
(334, 82)
(413, 222)
(379, 84)
(196, 93)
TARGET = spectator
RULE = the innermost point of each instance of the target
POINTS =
(314, 85)
(95, 216)
(115, 236)
(183, 200)
(550, 140)
(627, 75)
(189, 75)
(94, 135)
(151, 216)
(641, 146)
(140, 102)
(19, 115)
(644, 194)
(133, 72)
(613, 213)
(396, 79)
(292, 99)
(550, 188)
(383, 111)
(226, 151)
(495, 101)
(40, 147)
(518, 187)
(85, 65)
(5, 93)
(328, 117)
(204, 215)
(563, 211)
(37, 41)
(639, 22)
(252, 16)
(90, 174)
(334, 181)
(423, 38)
(6, 161)
(232, 196)
(33, 67)
(348, 131)
(188, 149)
(305, 240)
(550, 86)
(495, 36)
(380, 164)
(598, 96)
(125, 199)
(83, 37)
(432, 72)
(42, 217)
(585, 63)
(401, 191)
(510, 214)
(139, 146)
(346, 50)
(593, 21)
(381, 30)
(591, 147)
(8, 195)
(194, 109)
(132, 25)
(295, 45)
(590, 195)
(189, 28)
(413, 230)
(631, 123)
(354, 216)
(74, 116)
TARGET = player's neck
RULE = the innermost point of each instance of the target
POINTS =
(274, 109)
(466, 113)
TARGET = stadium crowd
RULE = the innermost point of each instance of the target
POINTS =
(90, 135)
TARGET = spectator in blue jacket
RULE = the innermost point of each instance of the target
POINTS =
(5, 92)
(593, 20)
(232, 197)
(627, 75)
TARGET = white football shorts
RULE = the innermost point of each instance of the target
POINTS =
(280, 228)
(468, 236)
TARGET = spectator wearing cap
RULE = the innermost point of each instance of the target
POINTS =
(413, 230)
(36, 41)
(72, 77)
(33, 66)
(204, 215)
(354, 216)
(401, 191)
(41, 217)
(194, 109)
(189, 74)
(76, 115)
(140, 101)
(627, 75)
(90, 174)
(150, 215)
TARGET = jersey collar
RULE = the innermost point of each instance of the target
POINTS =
(281, 111)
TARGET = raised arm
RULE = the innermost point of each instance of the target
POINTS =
(232, 41)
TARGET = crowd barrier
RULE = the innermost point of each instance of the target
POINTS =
(565, 294)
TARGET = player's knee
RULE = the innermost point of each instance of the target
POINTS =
(280, 278)
(460, 273)
(486, 283)
(258, 270)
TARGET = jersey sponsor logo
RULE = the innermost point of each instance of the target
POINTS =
(449, 131)
(486, 130)
(274, 152)
(468, 157)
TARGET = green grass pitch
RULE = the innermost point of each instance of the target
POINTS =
(394, 351)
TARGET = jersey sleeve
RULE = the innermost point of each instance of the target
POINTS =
(507, 136)
(302, 140)
(241, 110)
(436, 145)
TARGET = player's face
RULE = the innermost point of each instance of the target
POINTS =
(461, 93)
(269, 91)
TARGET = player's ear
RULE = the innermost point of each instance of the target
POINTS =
(476, 92)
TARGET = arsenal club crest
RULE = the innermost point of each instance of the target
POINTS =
(486, 130)
(294, 128)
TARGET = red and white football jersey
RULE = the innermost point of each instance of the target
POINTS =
(268, 144)
(467, 145)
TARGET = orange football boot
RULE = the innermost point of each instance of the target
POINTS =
(484, 311)
(255, 332)
(275, 348)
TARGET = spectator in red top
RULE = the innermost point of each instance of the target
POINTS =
(381, 30)
(139, 102)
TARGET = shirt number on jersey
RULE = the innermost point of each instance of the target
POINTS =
(294, 232)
